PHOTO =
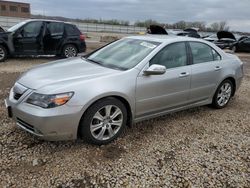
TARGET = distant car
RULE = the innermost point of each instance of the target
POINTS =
(1, 29)
(96, 96)
(187, 33)
(242, 45)
(42, 37)
(211, 38)
(225, 39)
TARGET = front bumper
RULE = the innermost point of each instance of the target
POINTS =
(54, 124)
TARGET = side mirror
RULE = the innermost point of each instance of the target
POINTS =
(155, 70)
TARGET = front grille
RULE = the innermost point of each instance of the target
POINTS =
(17, 96)
(26, 125)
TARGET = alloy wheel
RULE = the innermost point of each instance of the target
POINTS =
(224, 94)
(106, 122)
(70, 51)
(2, 54)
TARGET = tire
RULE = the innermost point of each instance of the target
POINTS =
(97, 125)
(69, 50)
(223, 94)
(3, 53)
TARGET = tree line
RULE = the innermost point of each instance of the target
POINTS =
(202, 26)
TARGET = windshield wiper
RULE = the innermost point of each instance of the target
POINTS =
(105, 65)
(93, 61)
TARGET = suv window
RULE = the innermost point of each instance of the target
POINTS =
(247, 41)
(54, 28)
(203, 53)
(32, 29)
(71, 29)
(173, 55)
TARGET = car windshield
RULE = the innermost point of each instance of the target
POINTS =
(17, 26)
(123, 54)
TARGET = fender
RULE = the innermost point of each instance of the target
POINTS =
(6, 40)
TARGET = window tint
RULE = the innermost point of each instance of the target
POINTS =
(173, 55)
(72, 30)
(201, 52)
(216, 55)
(247, 41)
(54, 28)
(32, 29)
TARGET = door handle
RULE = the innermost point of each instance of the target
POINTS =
(184, 74)
(217, 68)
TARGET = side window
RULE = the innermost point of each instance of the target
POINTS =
(32, 29)
(216, 55)
(203, 53)
(173, 55)
(54, 28)
(71, 30)
(247, 41)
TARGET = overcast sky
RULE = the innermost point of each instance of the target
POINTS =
(235, 12)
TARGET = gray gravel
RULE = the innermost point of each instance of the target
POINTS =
(200, 147)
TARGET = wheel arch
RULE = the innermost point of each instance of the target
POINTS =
(232, 79)
(6, 47)
(120, 98)
(69, 43)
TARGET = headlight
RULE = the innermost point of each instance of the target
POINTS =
(49, 101)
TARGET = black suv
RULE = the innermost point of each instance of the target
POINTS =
(42, 37)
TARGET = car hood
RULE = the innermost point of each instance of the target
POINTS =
(225, 34)
(157, 30)
(74, 69)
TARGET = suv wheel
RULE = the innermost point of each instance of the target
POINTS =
(3, 53)
(223, 94)
(103, 122)
(69, 51)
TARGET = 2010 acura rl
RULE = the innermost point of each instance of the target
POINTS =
(95, 97)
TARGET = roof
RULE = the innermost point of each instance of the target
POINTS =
(14, 2)
(45, 20)
(165, 38)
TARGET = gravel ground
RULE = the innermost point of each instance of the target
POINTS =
(200, 147)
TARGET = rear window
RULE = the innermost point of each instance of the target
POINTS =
(55, 28)
(71, 30)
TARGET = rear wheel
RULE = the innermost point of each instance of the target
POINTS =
(223, 94)
(69, 50)
(104, 121)
(3, 53)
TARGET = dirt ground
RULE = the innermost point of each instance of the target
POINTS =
(200, 147)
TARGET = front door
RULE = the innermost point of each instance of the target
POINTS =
(157, 93)
(28, 39)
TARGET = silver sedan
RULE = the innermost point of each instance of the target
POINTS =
(136, 78)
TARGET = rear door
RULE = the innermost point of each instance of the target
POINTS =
(157, 93)
(28, 40)
(206, 71)
(53, 37)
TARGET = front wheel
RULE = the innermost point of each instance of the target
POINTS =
(103, 122)
(3, 53)
(223, 94)
(69, 50)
